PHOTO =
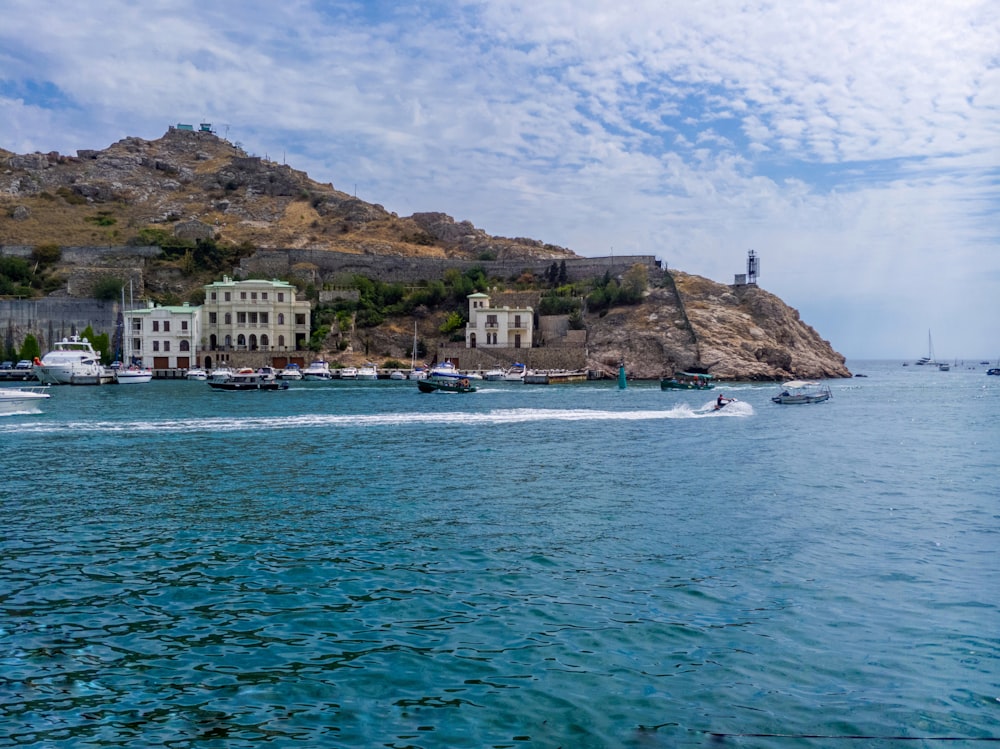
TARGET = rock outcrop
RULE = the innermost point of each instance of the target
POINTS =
(734, 333)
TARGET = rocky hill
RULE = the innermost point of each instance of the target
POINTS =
(194, 185)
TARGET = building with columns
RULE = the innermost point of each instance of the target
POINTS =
(254, 315)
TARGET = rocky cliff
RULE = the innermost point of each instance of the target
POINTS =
(732, 332)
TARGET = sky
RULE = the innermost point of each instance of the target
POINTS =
(854, 146)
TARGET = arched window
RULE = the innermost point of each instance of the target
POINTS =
(213, 342)
(229, 341)
(241, 340)
(472, 340)
(281, 341)
(253, 342)
(263, 341)
(185, 346)
(281, 318)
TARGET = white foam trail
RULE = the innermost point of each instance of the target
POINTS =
(306, 421)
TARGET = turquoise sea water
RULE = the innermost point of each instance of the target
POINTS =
(358, 564)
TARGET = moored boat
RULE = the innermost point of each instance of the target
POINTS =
(368, 371)
(515, 373)
(72, 361)
(802, 391)
(196, 373)
(318, 370)
(292, 371)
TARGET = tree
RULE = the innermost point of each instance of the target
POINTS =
(563, 276)
(30, 348)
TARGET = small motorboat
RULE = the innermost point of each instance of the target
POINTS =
(802, 391)
(446, 385)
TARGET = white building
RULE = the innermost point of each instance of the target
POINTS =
(254, 316)
(493, 327)
(163, 337)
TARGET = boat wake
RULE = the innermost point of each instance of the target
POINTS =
(323, 421)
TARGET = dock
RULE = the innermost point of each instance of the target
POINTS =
(554, 376)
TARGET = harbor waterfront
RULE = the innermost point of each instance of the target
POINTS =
(354, 564)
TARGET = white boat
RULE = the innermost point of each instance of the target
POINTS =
(24, 400)
(72, 361)
(133, 375)
(196, 373)
(802, 391)
(397, 374)
(444, 370)
(929, 359)
(349, 373)
(291, 372)
(221, 374)
(494, 374)
(317, 371)
(368, 371)
(515, 373)
(416, 373)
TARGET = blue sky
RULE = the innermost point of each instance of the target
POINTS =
(855, 147)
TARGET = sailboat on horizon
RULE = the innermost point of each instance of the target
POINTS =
(929, 359)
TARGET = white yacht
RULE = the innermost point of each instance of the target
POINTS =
(317, 371)
(368, 371)
(349, 373)
(196, 373)
(72, 361)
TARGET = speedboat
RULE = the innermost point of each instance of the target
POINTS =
(220, 374)
(802, 391)
(397, 374)
(368, 371)
(72, 361)
(132, 375)
(248, 379)
(291, 372)
(494, 374)
(444, 370)
(417, 373)
(196, 373)
(515, 373)
(25, 400)
(316, 371)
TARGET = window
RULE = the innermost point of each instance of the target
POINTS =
(300, 318)
(136, 324)
(166, 326)
(263, 295)
(185, 346)
(228, 297)
(213, 296)
(263, 341)
(241, 340)
(156, 326)
(213, 318)
(156, 345)
(281, 341)
(281, 318)
(253, 318)
(184, 325)
(136, 345)
(241, 318)
(229, 318)
(263, 318)
(517, 321)
(166, 345)
(243, 295)
(281, 296)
